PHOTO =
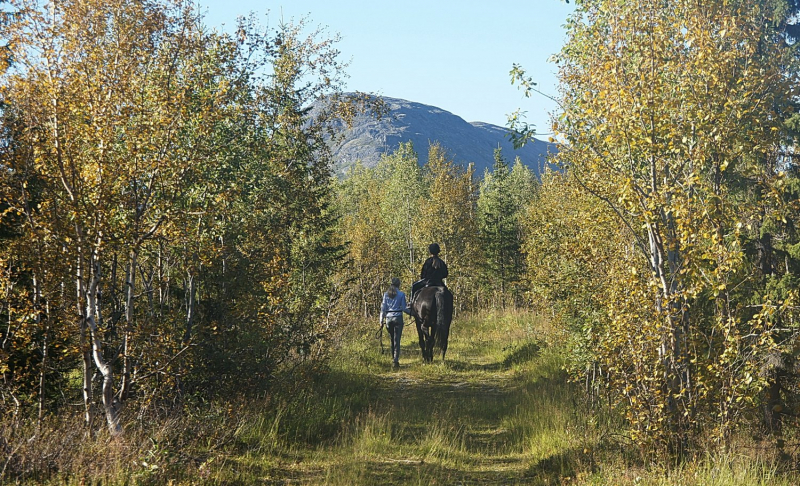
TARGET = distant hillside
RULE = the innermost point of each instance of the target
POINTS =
(465, 142)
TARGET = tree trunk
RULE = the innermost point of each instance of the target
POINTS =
(130, 284)
(671, 351)
(37, 295)
(86, 355)
(190, 308)
(95, 348)
(110, 405)
(362, 288)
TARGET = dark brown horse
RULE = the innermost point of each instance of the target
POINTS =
(433, 312)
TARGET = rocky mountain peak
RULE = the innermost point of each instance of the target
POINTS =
(465, 142)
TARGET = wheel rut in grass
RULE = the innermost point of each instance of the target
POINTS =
(460, 411)
(492, 413)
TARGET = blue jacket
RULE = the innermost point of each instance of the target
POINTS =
(393, 307)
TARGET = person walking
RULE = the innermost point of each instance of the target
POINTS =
(392, 309)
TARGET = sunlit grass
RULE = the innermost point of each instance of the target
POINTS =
(499, 410)
(492, 409)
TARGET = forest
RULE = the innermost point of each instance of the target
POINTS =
(188, 294)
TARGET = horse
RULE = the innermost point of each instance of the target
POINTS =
(433, 311)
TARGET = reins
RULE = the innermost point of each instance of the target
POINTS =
(379, 335)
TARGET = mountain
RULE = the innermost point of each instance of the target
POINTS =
(475, 142)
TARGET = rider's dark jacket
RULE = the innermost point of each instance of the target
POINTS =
(434, 270)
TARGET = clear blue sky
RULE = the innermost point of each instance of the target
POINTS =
(452, 54)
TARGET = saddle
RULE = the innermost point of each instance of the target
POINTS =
(416, 287)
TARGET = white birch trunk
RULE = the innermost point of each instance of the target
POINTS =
(130, 283)
(80, 287)
(190, 308)
(110, 405)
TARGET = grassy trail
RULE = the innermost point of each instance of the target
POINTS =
(498, 411)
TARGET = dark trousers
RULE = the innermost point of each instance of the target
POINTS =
(395, 326)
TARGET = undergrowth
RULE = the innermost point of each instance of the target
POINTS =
(499, 410)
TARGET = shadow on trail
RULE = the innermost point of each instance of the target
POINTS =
(420, 472)
(401, 471)
(547, 471)
(466, 366)
(521, 354)
(553, 469)
(458, 421)
(514, 355)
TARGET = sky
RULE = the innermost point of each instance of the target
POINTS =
(455, 55)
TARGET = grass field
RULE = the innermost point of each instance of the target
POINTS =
(499, 411)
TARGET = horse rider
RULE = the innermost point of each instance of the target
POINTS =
(392, 308)
(434, 271)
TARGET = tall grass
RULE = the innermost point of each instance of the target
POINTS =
(500, 410)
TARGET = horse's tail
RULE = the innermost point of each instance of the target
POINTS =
(444, 315)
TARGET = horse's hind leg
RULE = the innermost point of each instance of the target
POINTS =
(426, 343)
(430, 343)
(428, 353)
(422, 341)
(443, 341)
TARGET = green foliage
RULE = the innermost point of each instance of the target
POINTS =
(448, 217)
(154, 166)
(575, 252)
(503, 195)
(391, 213)
(362, 228)
(403, 190)
(672, 122)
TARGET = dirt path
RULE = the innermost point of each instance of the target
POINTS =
(493, 413)
(464, 421)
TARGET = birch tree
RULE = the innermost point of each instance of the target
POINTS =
(403, 192)
(672, 118)
(449, 217)
(166, 198)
